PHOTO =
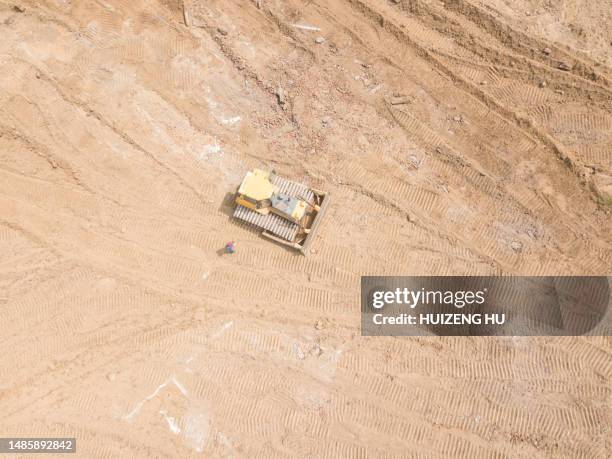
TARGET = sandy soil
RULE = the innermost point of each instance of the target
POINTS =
(457, 137)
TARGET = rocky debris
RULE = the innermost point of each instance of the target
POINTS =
(186, 16)
(414, 161)
(458, 119)
(259, 3)
(298, 352)
(564, 66)
(547, 51)
(316, 350)
(326, 121)
(222, 31)
(399, 100)
(516, 246)
(319, 40)
(543, 84)
(532, 233)
(18, 9)
(281, 96)
(602, 185)
(308, 27)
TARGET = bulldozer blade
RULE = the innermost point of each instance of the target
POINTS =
(315, 225)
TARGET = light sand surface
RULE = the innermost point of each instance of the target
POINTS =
(457, 137)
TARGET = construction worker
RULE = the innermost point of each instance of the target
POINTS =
(230, 247)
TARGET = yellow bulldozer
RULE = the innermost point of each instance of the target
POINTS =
(287, 212)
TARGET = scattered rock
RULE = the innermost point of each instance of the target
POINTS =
(458, 118)
(222, 31)
(280, 95)
(564, 66)
(186, 16)
(319, 40)
(399, 100)
(602, 185)
(298, 351)
(483, 82)
(18, 9)
(316, 350)
(543, 84)
(547, 51)
(414, 161)
(319, 325)
(326, 121)
(516, 246)
(558, 91)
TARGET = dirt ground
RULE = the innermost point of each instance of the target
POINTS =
(456, 137)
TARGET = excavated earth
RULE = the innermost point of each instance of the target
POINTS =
(455, 137)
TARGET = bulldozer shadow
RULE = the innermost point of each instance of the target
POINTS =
(227, 205)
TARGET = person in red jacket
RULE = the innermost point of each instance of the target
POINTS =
(230, 247)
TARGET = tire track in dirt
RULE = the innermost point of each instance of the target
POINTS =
(518, 120)
(527, 45)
